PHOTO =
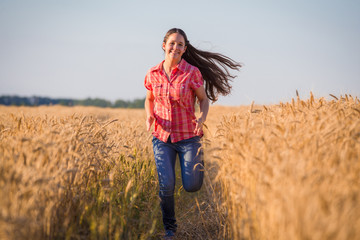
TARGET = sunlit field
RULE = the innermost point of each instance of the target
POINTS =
(284, 171)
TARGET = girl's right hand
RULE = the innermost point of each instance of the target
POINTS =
(149, 122)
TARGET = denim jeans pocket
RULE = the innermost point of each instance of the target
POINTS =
(195, 139)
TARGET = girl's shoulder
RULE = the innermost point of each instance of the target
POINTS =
(155, 68)
(187, 67)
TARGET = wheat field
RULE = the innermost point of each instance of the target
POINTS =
(284, 171)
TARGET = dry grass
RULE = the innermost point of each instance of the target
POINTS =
(286, 171)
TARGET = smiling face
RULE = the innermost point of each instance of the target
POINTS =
(174, 47)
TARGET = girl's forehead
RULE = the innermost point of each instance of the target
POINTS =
(176, 37)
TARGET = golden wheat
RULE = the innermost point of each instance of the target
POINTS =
(84, 172)
(291, 171)
(286, 171)
(60, 166)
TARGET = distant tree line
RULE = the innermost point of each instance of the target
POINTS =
(98, 102)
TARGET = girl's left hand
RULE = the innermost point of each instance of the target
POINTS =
(149, 122)
(199, 126)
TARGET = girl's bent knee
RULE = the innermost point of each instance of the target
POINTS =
(192, 188)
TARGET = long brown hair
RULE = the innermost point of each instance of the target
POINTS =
(213, 67)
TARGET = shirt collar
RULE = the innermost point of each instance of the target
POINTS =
(181, 66)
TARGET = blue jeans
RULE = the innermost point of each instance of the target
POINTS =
(192, 172)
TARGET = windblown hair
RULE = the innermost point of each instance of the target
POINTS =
(213, 67)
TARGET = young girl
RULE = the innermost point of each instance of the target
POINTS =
(172, 88)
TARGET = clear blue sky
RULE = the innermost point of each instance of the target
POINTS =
(85, 48)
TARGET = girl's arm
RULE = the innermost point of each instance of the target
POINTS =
(149, 108)
(204, 108)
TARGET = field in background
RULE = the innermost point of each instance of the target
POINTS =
(286, 171)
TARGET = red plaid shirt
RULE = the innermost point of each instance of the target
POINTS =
(174, 103)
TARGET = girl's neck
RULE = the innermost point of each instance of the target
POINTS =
(169, 65)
